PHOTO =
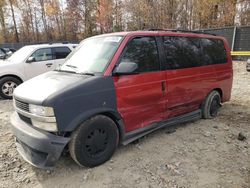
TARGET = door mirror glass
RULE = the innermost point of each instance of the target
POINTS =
(125, 68)
(31, 59)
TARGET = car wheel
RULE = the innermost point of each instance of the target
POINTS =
(94, 142)
(211, 105)
(7, 86)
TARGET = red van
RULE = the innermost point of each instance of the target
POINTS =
(115, 88)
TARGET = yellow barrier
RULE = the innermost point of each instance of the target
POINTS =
(240, 53)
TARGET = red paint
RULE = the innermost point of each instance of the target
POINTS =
(141, 100)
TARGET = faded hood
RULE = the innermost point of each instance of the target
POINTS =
(37, 89)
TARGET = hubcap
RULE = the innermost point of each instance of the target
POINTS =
(8, 88)
(215, 105)
(96, 142)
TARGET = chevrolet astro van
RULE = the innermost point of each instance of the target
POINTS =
(116, 88)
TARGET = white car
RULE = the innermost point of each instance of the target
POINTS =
(29, 62)
(248, 65)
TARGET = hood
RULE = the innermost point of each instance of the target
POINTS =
(39, 88)
(8, 67)
(5, 62)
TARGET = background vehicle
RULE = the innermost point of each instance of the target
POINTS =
(116, 88)
(248, 65)
(28, 62)
(6, 52)
(2, 53)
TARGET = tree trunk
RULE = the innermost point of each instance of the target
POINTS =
(44, 19)
(14, 20)
(3, 24)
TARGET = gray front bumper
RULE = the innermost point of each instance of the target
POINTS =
(40, 148)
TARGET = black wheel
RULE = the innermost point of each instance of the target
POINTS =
(94, 142)
(7, 86)
(211, 105)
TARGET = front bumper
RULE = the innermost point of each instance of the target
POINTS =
(40, 148)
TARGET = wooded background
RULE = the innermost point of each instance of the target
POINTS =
(74, 20)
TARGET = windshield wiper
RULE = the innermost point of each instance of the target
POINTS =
(59, 69)
(62, 70)
(77, 72)
(72, 66)
(87, 73)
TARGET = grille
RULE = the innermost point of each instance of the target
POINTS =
(22, 105)
(25, 119)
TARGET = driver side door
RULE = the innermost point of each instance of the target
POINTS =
(141, 96)
(41, 63)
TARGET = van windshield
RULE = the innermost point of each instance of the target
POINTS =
(92, 55)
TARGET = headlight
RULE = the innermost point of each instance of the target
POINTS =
(41, 110)
(44, 125)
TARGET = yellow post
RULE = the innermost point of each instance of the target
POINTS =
(240, 53)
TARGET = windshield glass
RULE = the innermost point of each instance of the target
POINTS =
(92, 55)
(21, 54)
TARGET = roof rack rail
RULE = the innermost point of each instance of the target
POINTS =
(182, 30)
(55, 42)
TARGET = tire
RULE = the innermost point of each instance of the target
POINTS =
(7, 86)
(211, 105)
(94, 142)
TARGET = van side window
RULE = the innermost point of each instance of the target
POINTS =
(61, 52)
(182, 52)
(213, 51)
(143, 51)
(43, 54)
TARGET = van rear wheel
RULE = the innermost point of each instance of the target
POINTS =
(94, 142)
(211, 105)
(7, 86)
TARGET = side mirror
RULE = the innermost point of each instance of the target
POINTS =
(126, 68)
(31, 59)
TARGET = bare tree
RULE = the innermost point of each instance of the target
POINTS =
(13, 3)
(77, 19)
(2, 20)
(43, 16)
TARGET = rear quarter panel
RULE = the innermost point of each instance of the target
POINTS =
(218, 76)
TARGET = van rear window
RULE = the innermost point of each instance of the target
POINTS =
(187, 52)
(213, 51)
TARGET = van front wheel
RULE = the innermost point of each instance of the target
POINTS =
(211, 105)
(94, 142)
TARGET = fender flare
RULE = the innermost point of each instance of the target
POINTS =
(111, 113)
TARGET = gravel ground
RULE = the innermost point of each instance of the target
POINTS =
(204, 153)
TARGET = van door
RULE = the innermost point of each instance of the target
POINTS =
(42, 63)
(183, 79)
(140, 97)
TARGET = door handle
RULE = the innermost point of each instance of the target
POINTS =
(49, 64)
(163, 86)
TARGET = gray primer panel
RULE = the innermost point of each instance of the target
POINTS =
(90, 96)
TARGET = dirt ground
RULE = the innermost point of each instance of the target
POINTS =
(204, 153)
